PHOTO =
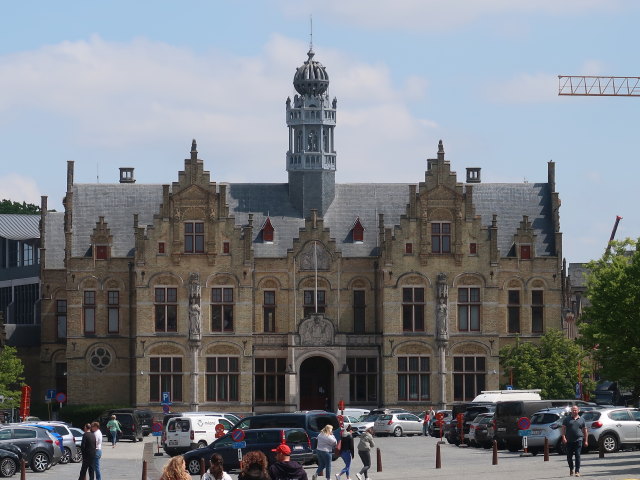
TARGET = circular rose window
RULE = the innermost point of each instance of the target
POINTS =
(100, 358)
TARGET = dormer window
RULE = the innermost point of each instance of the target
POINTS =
(357, 231)
(267, 231)
(525, 252)
(102, 252)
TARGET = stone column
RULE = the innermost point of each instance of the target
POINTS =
(442, 334)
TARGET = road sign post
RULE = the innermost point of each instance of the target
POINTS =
(524, 424)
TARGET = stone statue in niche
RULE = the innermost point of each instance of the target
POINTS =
(442, 310)
(316, 330)
(314, 254)
(195, 317)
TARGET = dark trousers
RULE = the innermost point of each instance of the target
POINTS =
(87, 464)
(365, 456)
(574, 448)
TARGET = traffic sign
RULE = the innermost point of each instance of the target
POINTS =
(440, 416)
(51, 394)
(524, 423)
(341, 405)
(237, 435)
(460, 418)
(524, 433)
(165, 409)
(219, 427)
(239, 444)
(219, 434)
(156, 427)
(166, 399)
(61, 397)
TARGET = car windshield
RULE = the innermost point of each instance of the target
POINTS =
(543, 418)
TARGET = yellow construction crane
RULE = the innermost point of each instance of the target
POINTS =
(583, 85)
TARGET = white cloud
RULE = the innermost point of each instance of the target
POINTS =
(121, 97)
(525, 88)
(420, 15)
(19, 188)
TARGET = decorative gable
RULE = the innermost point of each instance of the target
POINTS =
(357, 231)
(267, 231)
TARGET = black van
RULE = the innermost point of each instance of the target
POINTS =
(130, 425)
(312, 422)
(470, 410)
(506, 417)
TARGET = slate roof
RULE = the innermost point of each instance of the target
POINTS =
(19, 226)
(54, 240)
(578, 273)
(118, 202)
(510, 201)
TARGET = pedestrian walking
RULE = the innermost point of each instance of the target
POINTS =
(365, 445)
(175, 469)
(346, 452)
(574, 434)
(425, 423)
(88, 449)
(284, 468)
(95, 428)
(254, 466)
(114, 427)
(324, 451)
(216, 469)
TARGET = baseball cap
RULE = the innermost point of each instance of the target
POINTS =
(283, 449)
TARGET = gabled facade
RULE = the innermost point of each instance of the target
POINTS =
(375, 294)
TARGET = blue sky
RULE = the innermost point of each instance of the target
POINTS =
(120, 83)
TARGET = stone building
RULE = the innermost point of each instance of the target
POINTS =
(276, 297)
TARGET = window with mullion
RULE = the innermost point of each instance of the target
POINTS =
(309, 305)
(363, 379)
(413, 309)
(193, 237)
(469, 377)
(269, 311)
(222, 304)
(61, 320)
(537, 311)
(441, 237)
(113, 311)
(223, 379)
(89, 311)
(413, 378)
(269, 379)
(166, 309)
(165, 375)
(513, 311)
(469, 309)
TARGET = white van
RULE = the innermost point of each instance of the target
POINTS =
(354, 412)
(188, 432)
(494, 396)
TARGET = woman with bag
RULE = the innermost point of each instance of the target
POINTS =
(346, 452)
(324, 451)
(364, 450)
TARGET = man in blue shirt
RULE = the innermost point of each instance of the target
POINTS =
(574, 432)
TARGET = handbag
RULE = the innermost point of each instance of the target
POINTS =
(338, 448)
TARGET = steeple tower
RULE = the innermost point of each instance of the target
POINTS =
(311, 158)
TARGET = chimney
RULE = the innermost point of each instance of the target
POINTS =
(126, 175)
(473, 175)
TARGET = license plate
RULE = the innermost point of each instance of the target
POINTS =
(298, 447)
(502, 429)
(536, 432)
(173, 442)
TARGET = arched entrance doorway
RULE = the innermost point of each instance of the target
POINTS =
(316, 384)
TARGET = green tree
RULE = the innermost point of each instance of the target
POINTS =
(552, 365)
(11, 380)
(7, 206)
(610, 325)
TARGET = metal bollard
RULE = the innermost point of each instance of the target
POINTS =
(438, 460)
(495, 453)
(378, 460)
(201, 467)
(600, 450)
(23, 470)
(546, 449)
(144, 470)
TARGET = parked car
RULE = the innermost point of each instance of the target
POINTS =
(187, 432)
(130, 425)
(77, 435)
(398, 424)
(481, 431)
(69, 447)
(613, 428)
(40, 449)
(145, 417)
(434, 428)
(364, 422)
(263, 439)
(311, 421)
(9, 461)
(547, 424)
(469, 411)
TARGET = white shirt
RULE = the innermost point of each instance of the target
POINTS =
(98, 435)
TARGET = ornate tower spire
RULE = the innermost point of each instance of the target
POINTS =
(311, 157)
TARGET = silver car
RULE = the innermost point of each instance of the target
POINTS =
(364, 422)
(613, 427)
(398, 424)
(547, 424)
(69, 448)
